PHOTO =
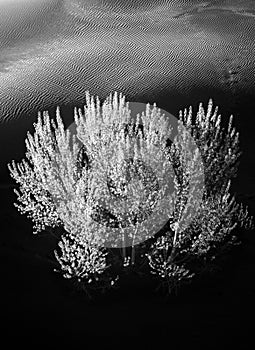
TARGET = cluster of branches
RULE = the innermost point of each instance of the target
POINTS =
(107, 184)
(179, 255)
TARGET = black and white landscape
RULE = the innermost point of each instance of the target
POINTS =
(176, 53)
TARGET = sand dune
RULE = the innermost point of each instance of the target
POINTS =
(66, 47)
(170, 52)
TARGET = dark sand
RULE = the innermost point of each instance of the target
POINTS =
(174, 53)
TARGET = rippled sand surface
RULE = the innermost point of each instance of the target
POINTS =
(168, 51)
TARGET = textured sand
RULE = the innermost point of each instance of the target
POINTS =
(174, 53)
(52, 51)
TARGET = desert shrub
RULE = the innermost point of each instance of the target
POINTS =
(64, 185)
(181, 254)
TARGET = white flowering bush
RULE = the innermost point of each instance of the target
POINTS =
(99, 188)
(120, 153)
(80, 259)
(181, 254)
(52, 189)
